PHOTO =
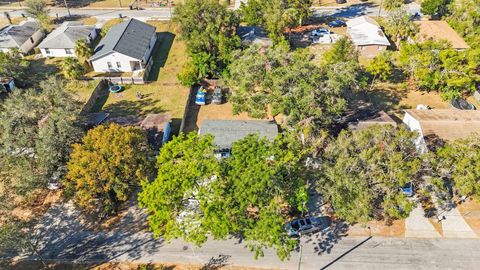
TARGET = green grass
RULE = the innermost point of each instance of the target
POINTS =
(164, 93)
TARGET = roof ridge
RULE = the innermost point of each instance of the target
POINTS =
(120, 36)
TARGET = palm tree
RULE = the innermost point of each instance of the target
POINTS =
(71, 68)
(83, 51)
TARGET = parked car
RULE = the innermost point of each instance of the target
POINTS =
(307, 225)
(319, 32)
(461, 104)
(341, 1)
(201, 97)
(408, 190)
(337, 23)
(217, 96)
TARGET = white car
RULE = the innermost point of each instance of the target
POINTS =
(307, 225)
(319, 32)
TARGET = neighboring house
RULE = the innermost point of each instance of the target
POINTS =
(23, 37)
(125, 48)
(444, 125)
(226, 132)
(438, 31)
(367, 36)
(61, 41)
(380, 118)
(253, 35)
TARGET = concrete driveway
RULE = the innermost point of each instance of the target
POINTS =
(455, 226)
(418, 226)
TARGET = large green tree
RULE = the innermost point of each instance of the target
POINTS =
(37, 9)
(11, 65)
(465, 19)
(363, 172)
(248, 195)
(208, 29)
(435, 7)
(71, 68)
(106, 167)
(399, 26)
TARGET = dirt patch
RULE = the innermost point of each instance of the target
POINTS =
(470, 211)
(378, 228)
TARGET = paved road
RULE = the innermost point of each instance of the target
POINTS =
(62, 237)
(165, 13)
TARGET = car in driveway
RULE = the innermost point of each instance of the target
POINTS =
(217, 97)
(319, 32)
(307, 225)
(337, 23)
(201, 96)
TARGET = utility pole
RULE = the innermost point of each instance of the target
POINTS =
(68, 10)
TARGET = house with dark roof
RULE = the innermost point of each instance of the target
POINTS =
(23, 37)
(226, 132)
(125, 48)
(61, 41)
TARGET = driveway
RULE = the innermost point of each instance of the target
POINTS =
(418, 226)
(454, 226)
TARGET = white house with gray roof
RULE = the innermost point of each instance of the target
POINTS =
(367, 36)
(61, 41)
(125, 48)
(23, 37)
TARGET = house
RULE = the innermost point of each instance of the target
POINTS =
(441, 125)
(61, 41)
(367, 36)
(125, 48)
(440, 30)
(253, 35)
(226, 132)
(380, 118)
(23, 37)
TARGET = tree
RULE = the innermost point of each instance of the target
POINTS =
(83, 50)
(247, 195)
(434, 7)
(278, 81)
(13, 66)
(71, 68)
(459, 161)
(465, 19)
(37, 9)
(392, 4)
(107, 166)
(399, 26)
(363, 172)
(381, 66)
(208, 29)
(252, 12)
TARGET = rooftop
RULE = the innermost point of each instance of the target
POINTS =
(380, 118)
(66, 35)
(226, 132)
(447, 124)
(155, 121)
(131, 38)
(13, 36)
(366, 31)
(440, 30)
(253, 35)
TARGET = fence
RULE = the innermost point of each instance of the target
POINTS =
(100, 90)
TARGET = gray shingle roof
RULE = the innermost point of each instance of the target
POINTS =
(130, 38)
(13, 36)
(65, 36)
(226, 132)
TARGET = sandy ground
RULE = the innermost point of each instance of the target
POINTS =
(378, 228)
(470, 211)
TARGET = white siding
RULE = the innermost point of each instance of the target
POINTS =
(101, 64)
(57, 53)
(414, 125)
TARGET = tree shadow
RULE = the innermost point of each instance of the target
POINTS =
(133, 108)
(216, 263)
(353, 10)
(324, 241)
(191, 114)
(40, 70)
(160, 53)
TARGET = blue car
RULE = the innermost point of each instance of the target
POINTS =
(201, 96)
(408, 189)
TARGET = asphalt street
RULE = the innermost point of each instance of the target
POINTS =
(60, 236)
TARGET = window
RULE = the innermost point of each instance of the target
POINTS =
(109, 64)
(68, 51)
(119, 65)
(47, 51)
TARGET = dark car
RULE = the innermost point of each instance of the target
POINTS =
(300, 226)
(337, 23)
(217, 97)
(461, 104)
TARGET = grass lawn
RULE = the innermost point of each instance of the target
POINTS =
(164, 93)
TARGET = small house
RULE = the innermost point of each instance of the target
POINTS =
(367, 36)
(23, 37)
(61, 41)
(125, 48)
(253, 35)
(226, 132)
(380, 118)
(434, 126)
